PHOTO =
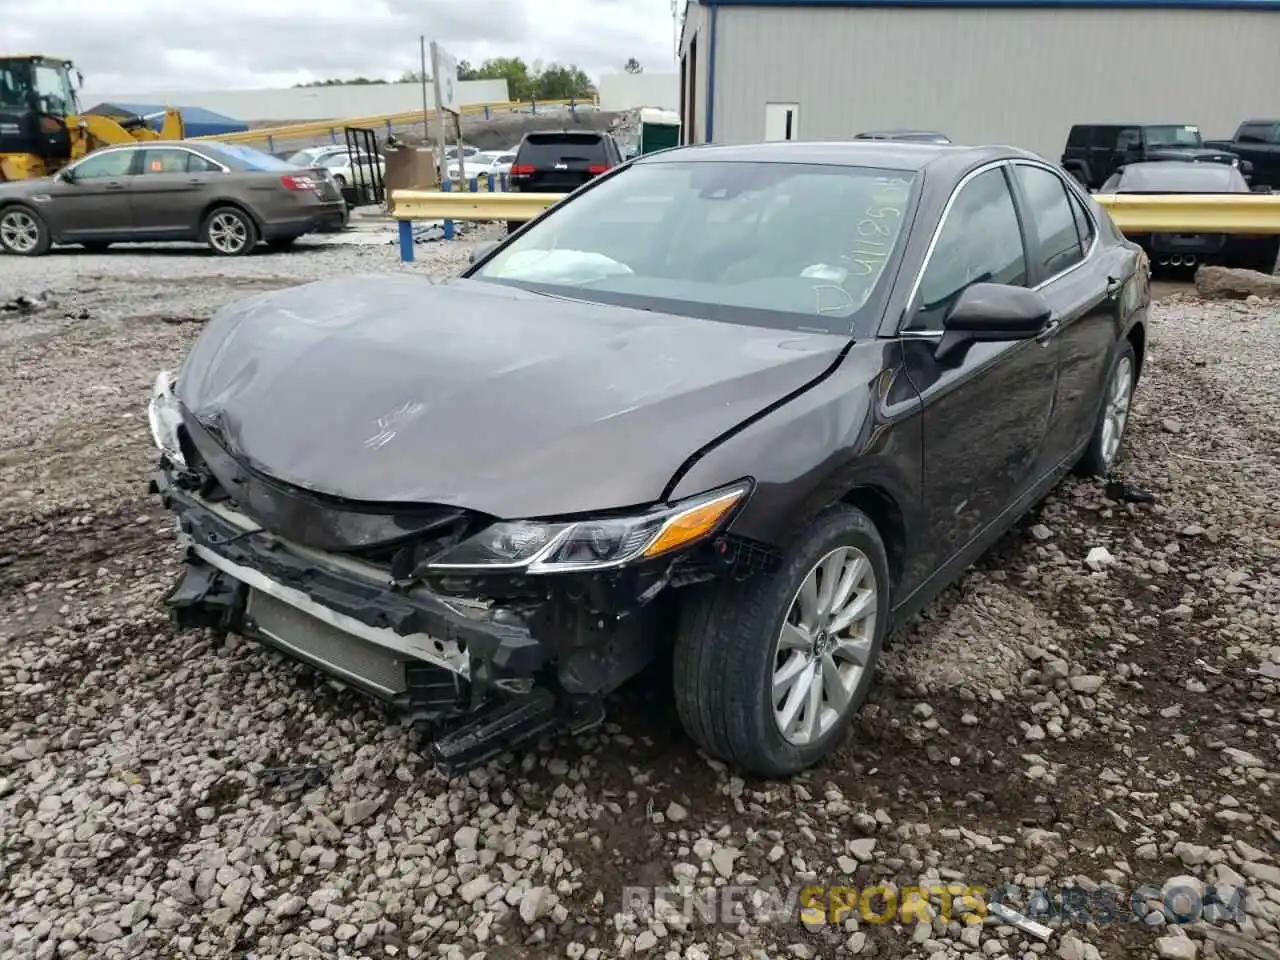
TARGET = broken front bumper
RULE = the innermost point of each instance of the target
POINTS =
(436, 659)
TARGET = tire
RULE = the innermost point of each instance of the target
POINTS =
(282, 243)
(1262, 256)
(23, 232)
(1103, 452)
(229, 232)
(97, 246)
(340, 180)
(727, 651)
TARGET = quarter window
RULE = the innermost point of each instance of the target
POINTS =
(1055, 240)
(112, 163)
(980, 242)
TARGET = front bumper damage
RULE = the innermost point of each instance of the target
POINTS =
(476, 676)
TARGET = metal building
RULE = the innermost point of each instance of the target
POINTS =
(1014, 72)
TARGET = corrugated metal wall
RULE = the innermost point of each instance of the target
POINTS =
(1018, 76)
(311, 103)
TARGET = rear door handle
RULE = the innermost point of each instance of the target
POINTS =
(115, 186)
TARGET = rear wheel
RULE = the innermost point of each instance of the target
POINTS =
(1108, 433)
(230, 232)
(340, 180)
(769, 672)
(23, 232)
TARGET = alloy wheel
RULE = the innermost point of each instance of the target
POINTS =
(1115, 415)
(228, 233)
(825, 645)
(19, 231)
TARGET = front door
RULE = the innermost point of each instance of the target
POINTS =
(94, 204)
(170, 191)
(987, 406)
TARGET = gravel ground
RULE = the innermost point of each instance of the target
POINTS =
(1095, 703)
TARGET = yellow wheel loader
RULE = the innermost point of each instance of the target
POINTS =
(41, 126)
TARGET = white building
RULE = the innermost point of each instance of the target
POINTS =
(629, 91)
(1016, 72)
(312, 103)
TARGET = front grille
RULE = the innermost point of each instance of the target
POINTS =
(373, 667)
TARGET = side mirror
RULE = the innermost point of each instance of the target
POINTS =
(66, 176)
(994, 312)
(482, 250)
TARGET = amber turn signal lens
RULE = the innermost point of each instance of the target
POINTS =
(693, 524)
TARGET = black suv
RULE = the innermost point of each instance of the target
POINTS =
(1095, 150)
(560, 162)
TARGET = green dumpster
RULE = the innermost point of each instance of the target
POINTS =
(659, 129)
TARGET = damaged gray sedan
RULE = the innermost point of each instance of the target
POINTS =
(756, 404)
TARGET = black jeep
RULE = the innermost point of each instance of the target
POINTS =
(1095, 150)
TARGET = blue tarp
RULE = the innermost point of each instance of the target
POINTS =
(198, 121)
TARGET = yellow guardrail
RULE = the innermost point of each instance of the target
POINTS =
(1245, 213)
(1250, 213)
(312, 128)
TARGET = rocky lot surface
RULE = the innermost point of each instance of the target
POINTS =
(1095, 704)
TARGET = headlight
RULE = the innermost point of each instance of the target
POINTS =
(536, 547)
(166, 416)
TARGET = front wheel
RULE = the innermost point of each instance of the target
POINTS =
(769, 672)
(23, 232)
(230, 232)
(1108, 432)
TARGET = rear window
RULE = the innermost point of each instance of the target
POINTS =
(1178, 177)
(240, 157)
(1173, 135)
(551, 148)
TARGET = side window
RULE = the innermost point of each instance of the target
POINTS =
(1130, 138)
(1053, 232)
(199, 164)
(112, 163)
(1084, 224)
(979, 242)
(164, 161)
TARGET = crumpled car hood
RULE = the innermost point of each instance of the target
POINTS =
(398, 390)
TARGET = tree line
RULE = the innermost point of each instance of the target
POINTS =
(554, 81)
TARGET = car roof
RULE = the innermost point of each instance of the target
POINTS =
(887, 154)
(1172, 174)
(1139, 123)
(901, 133)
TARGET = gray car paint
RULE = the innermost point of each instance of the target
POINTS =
(479, 395)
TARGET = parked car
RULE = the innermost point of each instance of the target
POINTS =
(483, 164)
(907, 136)
(1186, 251)
(349, 169)
(1257, 142)
(560, 162)
(1095, 150)
(311, 156)
(227, 196)
(762, 402)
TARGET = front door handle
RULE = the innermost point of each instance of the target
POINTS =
(115, 186)
(1050, 330)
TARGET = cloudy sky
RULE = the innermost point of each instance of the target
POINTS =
(135, 46)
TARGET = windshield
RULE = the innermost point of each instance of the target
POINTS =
(1174, 135)
(240, 157)
(796, 246)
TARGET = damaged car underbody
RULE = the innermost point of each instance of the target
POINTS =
(403, 604)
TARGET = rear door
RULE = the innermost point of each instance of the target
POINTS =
(171, 190)
(95, 205)
(559, 162)
(1073, 274)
